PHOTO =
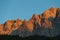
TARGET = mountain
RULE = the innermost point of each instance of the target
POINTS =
(45, 24)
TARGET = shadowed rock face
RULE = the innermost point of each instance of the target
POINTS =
(47, 24)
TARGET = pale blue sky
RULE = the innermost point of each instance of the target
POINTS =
(24, 9)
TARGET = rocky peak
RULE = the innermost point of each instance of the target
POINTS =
(50, 13)
(44, 20)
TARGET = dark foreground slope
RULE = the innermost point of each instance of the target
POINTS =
(35, 37)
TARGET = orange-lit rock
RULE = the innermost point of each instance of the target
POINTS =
(40, 16)
(45, 20)
(53, 10)
(8, 25)
(36, 19)
(1, 28)
(23, 26)
(29, 26)
(17, 24)
(50, 13)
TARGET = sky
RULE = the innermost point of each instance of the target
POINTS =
(24, 9)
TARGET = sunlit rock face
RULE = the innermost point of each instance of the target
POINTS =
(50, 13)
(46, 24)
(1, 29)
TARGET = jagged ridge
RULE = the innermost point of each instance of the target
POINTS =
(46, 24)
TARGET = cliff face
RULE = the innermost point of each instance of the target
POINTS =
(47, 24)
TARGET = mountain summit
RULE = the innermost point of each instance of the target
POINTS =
(47, 24)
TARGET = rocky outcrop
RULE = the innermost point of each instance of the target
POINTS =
(47, 24)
